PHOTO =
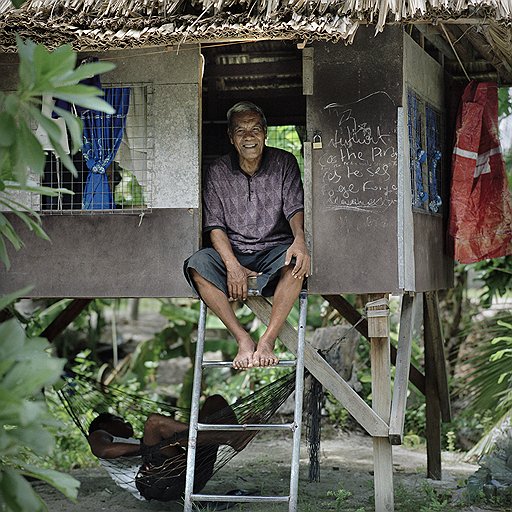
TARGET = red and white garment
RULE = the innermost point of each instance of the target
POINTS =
(480, 225)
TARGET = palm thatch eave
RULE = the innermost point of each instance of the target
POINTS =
(99, 25)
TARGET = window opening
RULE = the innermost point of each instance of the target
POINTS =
(287, 137)
(115, 164)
(425, 153)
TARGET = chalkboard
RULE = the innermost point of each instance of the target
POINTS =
(360, 157)
(357, 90)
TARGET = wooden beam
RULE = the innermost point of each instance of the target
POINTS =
(435, 37)
(290, 67)
(381, 403)
(74, 308)
(403, 359)
(433, 410)
(347, 311)
(456, 41)
(325, 374)
(436, 334)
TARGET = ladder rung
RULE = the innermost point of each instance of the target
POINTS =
(229, 364)
(247, 426)
(239, 499)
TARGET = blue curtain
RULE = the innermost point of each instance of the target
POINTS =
(102, 137)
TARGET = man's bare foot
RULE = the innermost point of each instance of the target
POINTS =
(244, 358)
(264, 355)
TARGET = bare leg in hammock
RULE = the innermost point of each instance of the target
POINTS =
(159, 428)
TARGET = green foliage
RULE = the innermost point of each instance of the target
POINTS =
(41, 72)
(25, 368)
(490, 382)
(496, 275)
(504, 102)
(129, 191)
(341, 496)
(423, 499)
(287, 138)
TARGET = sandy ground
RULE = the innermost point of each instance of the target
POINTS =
(346, 463)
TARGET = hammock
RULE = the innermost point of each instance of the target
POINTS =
(84, 398)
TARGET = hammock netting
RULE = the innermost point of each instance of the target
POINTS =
(84, 398)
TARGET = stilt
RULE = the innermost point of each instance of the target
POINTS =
(437, 395)
(378, 331)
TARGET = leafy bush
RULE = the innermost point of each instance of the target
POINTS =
(26, 367)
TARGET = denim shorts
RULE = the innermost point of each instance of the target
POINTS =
(208, 263)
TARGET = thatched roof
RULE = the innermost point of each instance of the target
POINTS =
(107, 24)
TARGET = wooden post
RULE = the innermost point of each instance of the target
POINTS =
(378, 331)
(433, 410)
(438, 354)
(403, 360)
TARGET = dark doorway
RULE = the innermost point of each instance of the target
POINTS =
(268, 73)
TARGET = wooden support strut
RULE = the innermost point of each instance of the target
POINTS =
(369, 419)
(354, 317)
(73, 309)
(403, 358)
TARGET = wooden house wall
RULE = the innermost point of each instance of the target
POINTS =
(427, 264)
(120, 255)
(357, 90)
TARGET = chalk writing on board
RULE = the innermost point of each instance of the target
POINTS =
(358, 163)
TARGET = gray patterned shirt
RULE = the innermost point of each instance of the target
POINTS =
(254, 211)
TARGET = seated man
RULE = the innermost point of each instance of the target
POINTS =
(254, 215)
(155, 468)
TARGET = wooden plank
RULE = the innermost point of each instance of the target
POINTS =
(289, 67)
(307, 70)
(74, 308)
(351, 314)
(433, 412)
(403, 359)
(381, 404)
(324, 373)
(438, 354)
(308, 198)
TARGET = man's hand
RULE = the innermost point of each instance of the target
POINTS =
(302, 259)
(237, 280)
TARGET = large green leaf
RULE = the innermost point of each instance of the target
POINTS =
(29, 151)
(52, 65)
(49, 126)
(4, 256)
(26, 70)
(74, 125)
(37, 189)
(30, 376)
(83, 95)
(12, 339)
(7, 129)
(66, 484)
(10, 298)
(18, 494)
(86, 71)
(7, 230)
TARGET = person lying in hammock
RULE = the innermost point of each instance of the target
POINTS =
(155, 467)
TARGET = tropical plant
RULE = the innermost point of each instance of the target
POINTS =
(41, 72)
(26, 367)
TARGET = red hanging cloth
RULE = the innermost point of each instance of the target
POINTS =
(480, 224)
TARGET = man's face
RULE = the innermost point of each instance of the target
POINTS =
(248, 135)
